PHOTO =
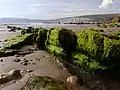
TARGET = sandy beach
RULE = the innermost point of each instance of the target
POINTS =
(47, 66)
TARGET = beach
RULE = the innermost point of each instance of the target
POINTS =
(45, 66)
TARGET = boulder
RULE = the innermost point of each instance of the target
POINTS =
(15, 74)
(12, 75)
(44, 83)
(75, 80)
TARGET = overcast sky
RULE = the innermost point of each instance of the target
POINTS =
(50, 9)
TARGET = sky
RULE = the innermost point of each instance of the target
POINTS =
(52, 9)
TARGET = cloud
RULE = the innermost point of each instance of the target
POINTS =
(106, 4)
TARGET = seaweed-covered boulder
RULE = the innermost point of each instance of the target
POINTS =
(41, 38)
(86, 63)
(55, 49)
(62, 38)
(44, 83)
(111, 53)
(35, 33)
(19, 41)
(91, 42)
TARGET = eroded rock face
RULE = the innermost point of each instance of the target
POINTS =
(44, 83)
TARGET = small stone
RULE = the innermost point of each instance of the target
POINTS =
(17, 60)
(25, 60)
(36, 58)
(43, 56)
(30, 60)
(1, 60)
(29, 70)
(33, 63)
(24, 63)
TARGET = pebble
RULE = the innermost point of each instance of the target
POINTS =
(30, 60)
(25, 60)
(29, 70)
(1, 60)
(33, 63)
(17, 60)
(37, 59)
(24, 63)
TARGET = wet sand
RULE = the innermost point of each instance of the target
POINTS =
(45, 67)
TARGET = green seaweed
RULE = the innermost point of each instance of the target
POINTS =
(92, 42)
(18, 41)
(86, 63)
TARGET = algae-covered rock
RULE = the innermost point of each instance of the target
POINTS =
(92, 42)
(111, 54)
(87, 63)
(53, 36)
(41, 38)
(54, 49)
(63, 38)
(18, 42)
(45, 83)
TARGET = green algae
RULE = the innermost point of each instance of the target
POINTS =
(92, 42)
(18, 41)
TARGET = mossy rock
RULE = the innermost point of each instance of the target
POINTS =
(111, 53)
(18, 41)
(45, 83)
(86, 63)
(63, 38)
(55, 49)
(91, 42)
(41, 37)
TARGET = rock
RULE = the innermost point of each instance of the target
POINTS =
(1, 60)
(75, 80)
(5, 40)
(24, 63)
(37, 59)
(45, 83)
(30, 60)
(12, 75)
(4, 78)
(25, 60)
(33, 63)
(17, 60)
(23, 71)
(15, 74)
(29, 70)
